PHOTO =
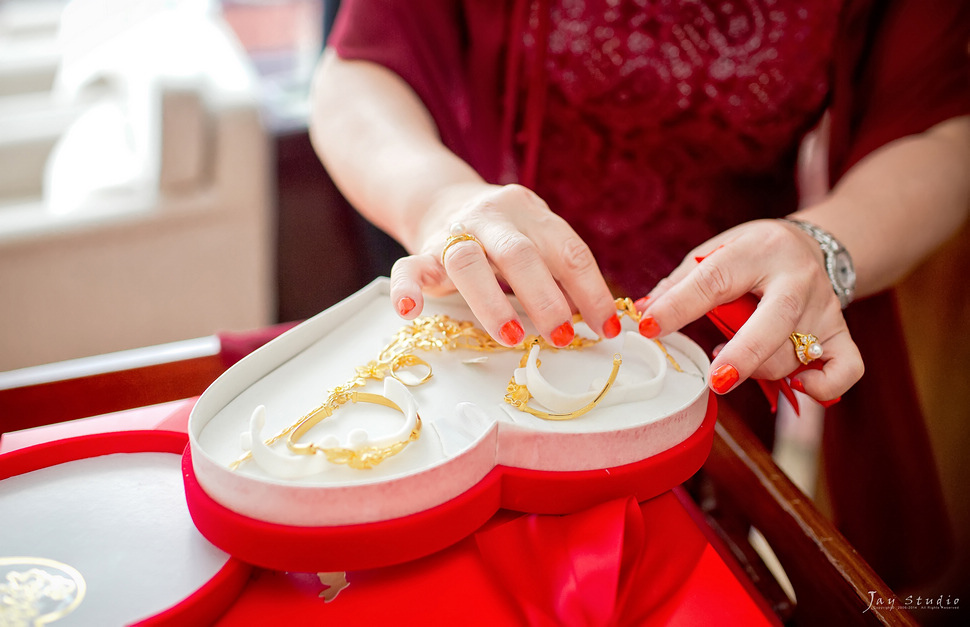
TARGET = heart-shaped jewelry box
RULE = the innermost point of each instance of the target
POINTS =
(452, 449)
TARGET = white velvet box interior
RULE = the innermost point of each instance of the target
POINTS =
(468, 429)
(122, 522)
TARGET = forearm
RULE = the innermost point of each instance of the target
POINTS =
(897, 205)
(380, 146)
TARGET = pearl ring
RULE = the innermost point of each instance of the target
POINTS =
(458, 234)
(807, 347)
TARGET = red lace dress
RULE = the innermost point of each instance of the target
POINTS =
(652, 126)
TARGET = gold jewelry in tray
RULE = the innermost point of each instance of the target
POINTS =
(360, 458)
(428, 333)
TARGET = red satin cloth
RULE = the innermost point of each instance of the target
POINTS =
(619, 563)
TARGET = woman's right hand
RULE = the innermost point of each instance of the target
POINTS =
(524, 245)
(380, 145)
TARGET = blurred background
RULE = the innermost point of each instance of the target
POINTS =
(156, 178)
(157, 184)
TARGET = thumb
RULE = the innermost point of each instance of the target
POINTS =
(414, 276)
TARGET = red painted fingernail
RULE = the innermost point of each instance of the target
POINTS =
(405, 305)
(512, 332)
(611, 328)
(641, 303)
(649, 327)
(724, 377)
(563, 334)
(827, 404)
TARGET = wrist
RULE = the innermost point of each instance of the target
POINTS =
(430, 219)
(836, 260)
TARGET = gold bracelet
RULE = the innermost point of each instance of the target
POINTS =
(518, 395)
(359, 458)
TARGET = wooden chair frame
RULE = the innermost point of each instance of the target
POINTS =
(832, 582)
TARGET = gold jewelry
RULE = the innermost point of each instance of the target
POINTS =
(440, 332)
(360, 458)
(458, 234)
(518, 395)
(807, 347)
(428, 333)
(625, 306)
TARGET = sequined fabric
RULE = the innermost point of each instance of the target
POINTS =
(665, 122)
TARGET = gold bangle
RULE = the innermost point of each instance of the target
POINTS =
(430, 333)
(518, 395)
(360, 458)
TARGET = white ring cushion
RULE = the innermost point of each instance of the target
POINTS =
(624, 389)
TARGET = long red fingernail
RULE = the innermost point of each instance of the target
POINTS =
(563, 334)
(649, 327)
(641, 303)
(512, 332)
(405, 305)
(611, 328)
(724, 377)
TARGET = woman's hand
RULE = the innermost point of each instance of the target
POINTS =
(519, 242)
(380, 145)
(783, 266)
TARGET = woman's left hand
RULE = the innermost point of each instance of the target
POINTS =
(783, 267)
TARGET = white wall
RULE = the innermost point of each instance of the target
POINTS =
(94, 261)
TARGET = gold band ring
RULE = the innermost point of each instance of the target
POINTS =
(458, 234)
(807, 347)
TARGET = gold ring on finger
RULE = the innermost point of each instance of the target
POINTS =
(807, 347)
(458, 234)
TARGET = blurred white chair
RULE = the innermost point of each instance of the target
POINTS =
(152, 220)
